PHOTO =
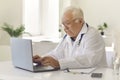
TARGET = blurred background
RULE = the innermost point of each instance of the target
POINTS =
(42, 19)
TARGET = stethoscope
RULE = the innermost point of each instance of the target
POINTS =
(80, 37)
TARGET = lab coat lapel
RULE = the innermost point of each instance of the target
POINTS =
(72, 47)
(69, 46)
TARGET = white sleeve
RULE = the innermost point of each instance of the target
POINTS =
(58, 52)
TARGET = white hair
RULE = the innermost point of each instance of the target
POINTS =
(77, 12)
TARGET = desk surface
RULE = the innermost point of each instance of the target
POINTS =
(9, 72)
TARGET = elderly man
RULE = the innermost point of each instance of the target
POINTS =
(81, 47)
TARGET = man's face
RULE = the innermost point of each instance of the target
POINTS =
(71, 26)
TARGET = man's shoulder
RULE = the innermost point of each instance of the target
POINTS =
(93, 32)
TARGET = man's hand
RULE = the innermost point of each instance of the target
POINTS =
(37, 59)
(49, 61)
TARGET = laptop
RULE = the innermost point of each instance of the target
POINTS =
(22, 54)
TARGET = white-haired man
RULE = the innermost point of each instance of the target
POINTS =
(81, 47)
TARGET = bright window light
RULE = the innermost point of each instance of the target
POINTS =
(41, 17)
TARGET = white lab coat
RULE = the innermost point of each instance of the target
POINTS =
(90, 52)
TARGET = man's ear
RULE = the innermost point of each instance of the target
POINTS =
(81, 21)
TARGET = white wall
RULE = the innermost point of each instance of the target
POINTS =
(5, 53)
(98, 11)
(11, 13)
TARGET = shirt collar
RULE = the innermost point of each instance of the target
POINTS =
(84, 29)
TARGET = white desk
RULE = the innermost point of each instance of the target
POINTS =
(9, 72)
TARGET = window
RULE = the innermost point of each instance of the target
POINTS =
(31, 16)
(41, 17)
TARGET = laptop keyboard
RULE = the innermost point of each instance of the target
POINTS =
(43, 68)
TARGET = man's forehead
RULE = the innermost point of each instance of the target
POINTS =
(67, 16)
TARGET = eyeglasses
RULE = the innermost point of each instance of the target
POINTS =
(68, 23)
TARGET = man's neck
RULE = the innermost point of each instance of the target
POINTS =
(73, 39)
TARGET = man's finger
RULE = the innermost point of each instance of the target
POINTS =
(36, 56)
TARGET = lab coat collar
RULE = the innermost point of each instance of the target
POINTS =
(83, 31)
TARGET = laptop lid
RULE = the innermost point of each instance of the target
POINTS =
(21, 50)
